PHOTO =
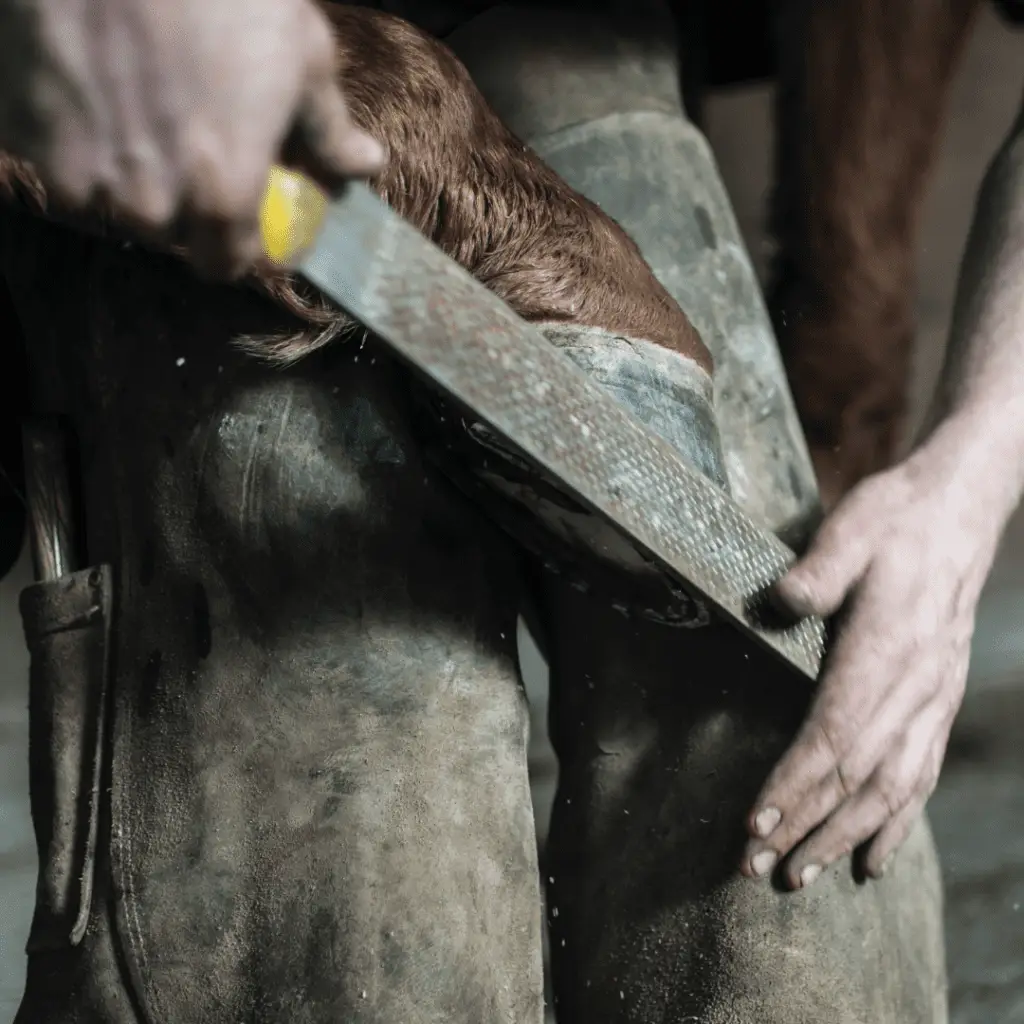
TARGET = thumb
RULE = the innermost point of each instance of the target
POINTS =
(331, 146)
(328, 144)
(836, 560)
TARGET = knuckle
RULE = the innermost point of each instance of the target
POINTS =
(850, 777)
(214, 203)
(875, 860)
(787, 836)
(830, 738)
(153, 206)
(798, 826)
(149, 189)
(824, 851)
(811, 759)
(955, 687)
(893, 792)
(927, 784)
(852, 519)
(843, 836)
(841, 846)
(213, 176)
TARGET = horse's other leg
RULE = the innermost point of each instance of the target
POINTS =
(861, 104)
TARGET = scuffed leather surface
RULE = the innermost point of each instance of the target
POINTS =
(319, 807)
(664, 739)
(67, 631)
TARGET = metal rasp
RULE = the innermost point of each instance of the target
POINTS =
(436, 317)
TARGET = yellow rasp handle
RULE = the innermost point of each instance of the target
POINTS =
(291, 214)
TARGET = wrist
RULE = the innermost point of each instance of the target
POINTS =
(973, 462)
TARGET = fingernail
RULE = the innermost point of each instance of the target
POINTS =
(809, 875)
(763, 862)
(886, 864)
(766, 821)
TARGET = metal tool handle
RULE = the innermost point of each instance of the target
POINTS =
(291, 214)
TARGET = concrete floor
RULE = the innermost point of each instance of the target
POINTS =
(978, 811)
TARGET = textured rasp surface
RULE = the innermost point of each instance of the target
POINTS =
(451, 328)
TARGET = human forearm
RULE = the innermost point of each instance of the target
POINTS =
(977, 419)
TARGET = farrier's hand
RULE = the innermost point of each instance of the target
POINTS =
(174, 110)
(906, 555)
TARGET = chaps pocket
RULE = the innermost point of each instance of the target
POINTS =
(67, 630)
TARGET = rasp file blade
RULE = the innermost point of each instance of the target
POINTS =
(448, 326)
